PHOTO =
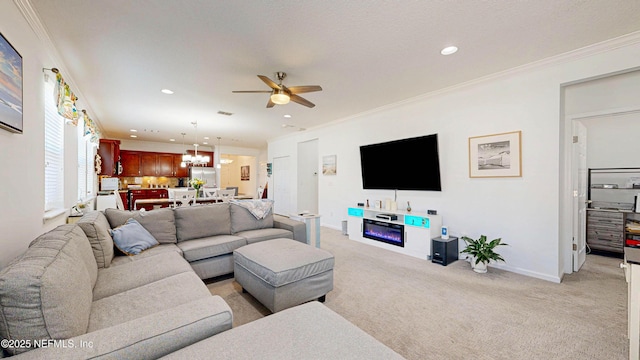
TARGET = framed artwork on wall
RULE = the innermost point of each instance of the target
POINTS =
(10, 87)
(497, 155)
(329, 166)
(244, 173)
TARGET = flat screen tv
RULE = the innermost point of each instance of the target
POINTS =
(407, 164)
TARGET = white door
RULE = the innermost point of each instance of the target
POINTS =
(282, 186)
(308, 165)
(579, 171)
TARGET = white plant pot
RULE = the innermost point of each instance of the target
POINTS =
(479, 267)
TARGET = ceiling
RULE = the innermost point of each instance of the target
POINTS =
(119, 54)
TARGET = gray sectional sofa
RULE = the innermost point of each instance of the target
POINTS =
(205, 235)
(71, 296)
(140, 309)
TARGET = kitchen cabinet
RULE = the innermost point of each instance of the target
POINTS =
(164, 165)
(157, 164)
(109, 151)
(139, 194)
(146, 163)
(130, 162)
(178, 170)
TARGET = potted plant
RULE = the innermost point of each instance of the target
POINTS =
(482, 252)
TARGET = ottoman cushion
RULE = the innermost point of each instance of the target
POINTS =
(283, 261)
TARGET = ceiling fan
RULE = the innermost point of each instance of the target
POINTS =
(281, 94)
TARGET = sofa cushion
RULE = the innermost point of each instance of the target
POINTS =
(242, 220)
(308, 331)
(253, 236)
(147, 299)
(47, 292)
(160, 222)
(131, 238)
(156, 250)
(195, 222)
(205, 248)
(131, 275)
(96, 227)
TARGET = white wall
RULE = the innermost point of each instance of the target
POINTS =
(523, 211)
(22, 155)
(612, 140)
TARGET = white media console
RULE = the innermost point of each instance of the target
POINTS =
(409, 233)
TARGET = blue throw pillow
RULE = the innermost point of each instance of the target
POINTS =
(132, 238)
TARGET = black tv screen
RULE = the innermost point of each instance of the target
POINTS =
(407, 164)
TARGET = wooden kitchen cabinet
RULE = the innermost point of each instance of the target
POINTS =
(156, 164)
(145, 163)
(130, 161)
(164, 165)
(109, 151)
(178, 170)
(148, 164)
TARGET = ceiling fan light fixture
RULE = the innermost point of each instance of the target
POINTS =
(280, 97)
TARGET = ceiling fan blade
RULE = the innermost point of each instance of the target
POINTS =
(250, 91)
(270, 103)
(302, 101)
(304, 89)
(269, 82)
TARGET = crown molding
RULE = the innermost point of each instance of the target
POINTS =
(584, 52)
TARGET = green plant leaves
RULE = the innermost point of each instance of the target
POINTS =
(482, 250)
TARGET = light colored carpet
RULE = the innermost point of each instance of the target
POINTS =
(428, 311)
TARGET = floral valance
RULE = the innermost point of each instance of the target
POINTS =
(90, 129)
(65, 100)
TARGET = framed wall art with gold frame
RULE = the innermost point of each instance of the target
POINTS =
(497, 155)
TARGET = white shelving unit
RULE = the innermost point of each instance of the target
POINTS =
(419, 229)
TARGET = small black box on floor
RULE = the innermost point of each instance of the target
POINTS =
(443, 251)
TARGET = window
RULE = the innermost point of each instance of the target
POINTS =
(86, 175)
(53, 152)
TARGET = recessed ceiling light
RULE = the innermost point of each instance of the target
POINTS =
(172, 139)
(133, 130)
(134, 136)
(206, 138)
(205, 143)
(287, 116)
(449, 50)
(167, 91)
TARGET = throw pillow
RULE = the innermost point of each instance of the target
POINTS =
(160, 222)
(132, 238)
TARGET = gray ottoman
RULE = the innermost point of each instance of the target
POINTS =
(283, 273)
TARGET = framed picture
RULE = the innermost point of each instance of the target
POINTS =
(497, 155)
(10, 87)
(329, 165)
(244, 173)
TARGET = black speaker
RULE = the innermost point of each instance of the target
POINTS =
(444, 252)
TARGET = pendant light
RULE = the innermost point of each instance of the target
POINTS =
(196, 159)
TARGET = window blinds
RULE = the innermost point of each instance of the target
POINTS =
(53, 152)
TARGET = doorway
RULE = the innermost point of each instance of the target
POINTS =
(241, 172)
(604, 101)
(281, 179)
(308, 165)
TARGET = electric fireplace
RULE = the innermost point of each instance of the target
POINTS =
(383, 231)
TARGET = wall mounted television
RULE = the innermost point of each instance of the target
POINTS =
(406, 164)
